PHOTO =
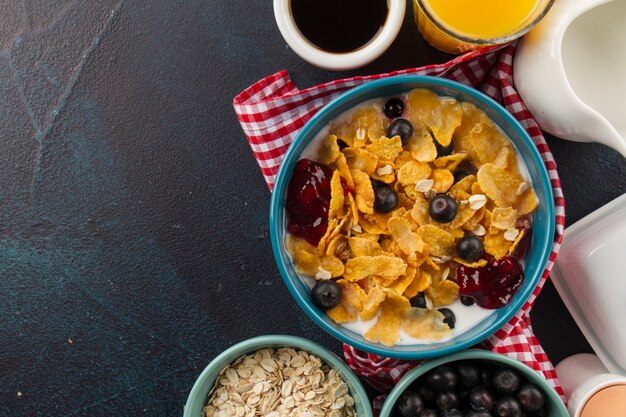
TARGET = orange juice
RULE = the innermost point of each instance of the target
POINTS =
(461, 25)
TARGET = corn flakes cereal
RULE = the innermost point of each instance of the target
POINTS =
(442, 116)
(485, 144)
(504, 218)
(498, 185)
(440, 243)
(425, 324)
(495, 244)
(422, 147)
(341, 314)
(385, 172)
(387, 327)
(344, 170)
(333, 265)
(382, 259)
(364, 266)
(336, 195)
(527, 202)
(412, 172)
(329, 151)
(450, 162)
(443, 180)
(443, 293)
(517, 240)
(375, 296)
(465, 184)
(385, 148)
(360, 246)
(364, 191)
(408, 241)
(360, 159)
(420, 282)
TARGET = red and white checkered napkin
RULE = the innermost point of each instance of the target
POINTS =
(273, 110)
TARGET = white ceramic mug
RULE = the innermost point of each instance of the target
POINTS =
(339, 61)
(582, 376)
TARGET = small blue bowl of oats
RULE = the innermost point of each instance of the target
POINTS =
(276, 375)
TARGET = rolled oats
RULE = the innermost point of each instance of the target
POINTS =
(276, 383)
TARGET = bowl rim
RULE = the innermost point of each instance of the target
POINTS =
(469, 354)
(521, 297)
(269, 340)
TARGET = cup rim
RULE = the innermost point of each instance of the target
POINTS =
(608, 380)
(259, 342)
(282, 179)
(339, 61)
(485, 41)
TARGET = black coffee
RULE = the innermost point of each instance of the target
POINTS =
(339, 25)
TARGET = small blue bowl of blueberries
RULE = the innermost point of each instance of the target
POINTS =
(473, 383)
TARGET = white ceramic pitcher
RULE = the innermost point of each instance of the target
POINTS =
(570, 70)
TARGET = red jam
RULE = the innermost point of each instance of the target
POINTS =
(493, 285)
(308, 200)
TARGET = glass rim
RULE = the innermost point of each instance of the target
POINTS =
(486, 41)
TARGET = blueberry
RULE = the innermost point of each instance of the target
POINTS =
(442, 208)
(467, 167)
(464, 169)
(485, 376)
(453, 413)
(447, 400)
(531, 397)
(427, 394)
(442, 379)
(506, 381)
(394, 107)
(443, 150)
(342, 145)
(479, 413)
(470, 248)
(428, 412)
(448, 317)
(418, 301)
(463, 397)
(402, 128)
(481, 397)
(410, 404)
(326, 294)
(459, 175)
(543, 412)
(467, 300)
(469, 374)
(385, 199)
(377, 184)
(508, 407)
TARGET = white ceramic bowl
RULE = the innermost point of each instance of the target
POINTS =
(335, 61)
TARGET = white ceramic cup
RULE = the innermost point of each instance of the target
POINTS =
(582, 376)
(339, 61)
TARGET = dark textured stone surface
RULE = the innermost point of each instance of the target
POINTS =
(134, 244)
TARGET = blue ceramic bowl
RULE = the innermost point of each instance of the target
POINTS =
(556, 407)
(199, 393)
(543, 218)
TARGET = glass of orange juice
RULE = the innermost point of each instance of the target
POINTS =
(458, 26)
